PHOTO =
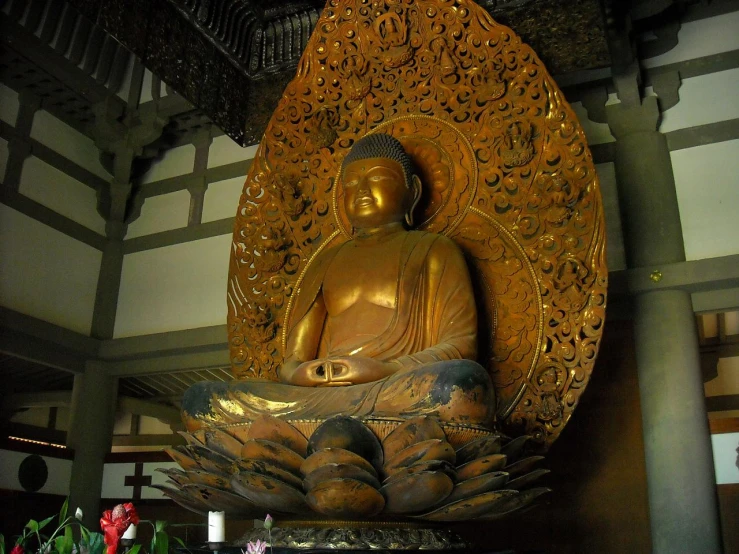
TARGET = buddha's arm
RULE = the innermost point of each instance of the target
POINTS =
(302, 346)
(451, 314)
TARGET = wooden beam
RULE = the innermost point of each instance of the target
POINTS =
(167, 414)
(148, 440)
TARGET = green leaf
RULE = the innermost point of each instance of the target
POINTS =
(32, 525)
(160, 543)
(2, 544)
(65, 543)
(45, 522)
(134, 549)
(95, 543)
(63, 511)
(159, 526)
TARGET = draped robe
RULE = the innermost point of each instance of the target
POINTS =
(432, 335)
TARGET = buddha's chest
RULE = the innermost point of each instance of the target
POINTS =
(363, 275)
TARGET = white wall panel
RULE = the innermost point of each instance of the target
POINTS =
(46, 274)
(596, 133)
(703, 37)
(707, 183)
(175, 162)
(161, 213)
(60, 192)
(3, 157)
(68, 142)
(725, 450)
(705, 99)
(57, 482)
(8, 105)
(222, 199)
(223, 150)
(114, 477)
(174, 288)
(727, 381)
(157, 478)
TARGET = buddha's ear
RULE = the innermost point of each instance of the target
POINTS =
(416, 191)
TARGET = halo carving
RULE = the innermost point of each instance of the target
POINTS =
(506, 173)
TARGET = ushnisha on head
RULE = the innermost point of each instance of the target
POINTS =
(380, 145)
(379, 182)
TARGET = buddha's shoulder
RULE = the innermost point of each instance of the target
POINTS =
(437, 244)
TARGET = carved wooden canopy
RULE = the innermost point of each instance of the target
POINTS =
(507, 175)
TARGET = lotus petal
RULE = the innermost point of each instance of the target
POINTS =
(432, 449)
(196, 437)
(411, 432)
(525, 480)
(280, 431)
(347, 433)
(210, 461)
(175, 474)
(478, 448)
(268, 469)
(222, 501)
(195, 477)
(417, 492)
(268, 493)
(336, 471)
(335, 456)
(276, 454)
(223, 443)
(182, 456)
(486, 464)
(523, 466)
(184, 500)
(345, 498)
(418, 467)
(514, 448)
(478, 485)
(469, 508)
(515, 503)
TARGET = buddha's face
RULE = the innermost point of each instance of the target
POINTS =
(375, 193)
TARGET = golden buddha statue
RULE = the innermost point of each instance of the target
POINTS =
(355, 339)
(385, 324)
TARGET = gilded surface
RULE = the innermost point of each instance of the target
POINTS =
(506, 175)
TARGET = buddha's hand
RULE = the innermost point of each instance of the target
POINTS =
(354, 370)
(338, 372)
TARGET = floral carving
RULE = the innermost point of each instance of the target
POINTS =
(518, 149)
(392, 30)
(259, 323)
(287, 193)
(357, 83)
(322, 128)
(269, 253)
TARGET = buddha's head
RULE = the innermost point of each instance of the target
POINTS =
(380, 186)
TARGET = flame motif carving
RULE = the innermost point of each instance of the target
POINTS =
(506, 174)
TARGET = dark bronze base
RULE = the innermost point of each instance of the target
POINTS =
(359, 539)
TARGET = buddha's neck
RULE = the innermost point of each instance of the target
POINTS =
(372, 235)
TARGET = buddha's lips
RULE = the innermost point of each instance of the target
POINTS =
(366, 200)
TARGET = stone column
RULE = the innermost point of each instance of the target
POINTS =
(677, 442)
(91, 436)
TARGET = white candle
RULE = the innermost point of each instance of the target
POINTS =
(216, 526)
(130, 533)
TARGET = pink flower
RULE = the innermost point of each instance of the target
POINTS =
(258, 547)
(17, 549)
(268, 522)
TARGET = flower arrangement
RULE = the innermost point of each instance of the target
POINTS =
(113, 523)
(260, 547)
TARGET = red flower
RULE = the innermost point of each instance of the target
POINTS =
(17, 549)
(114, 523)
